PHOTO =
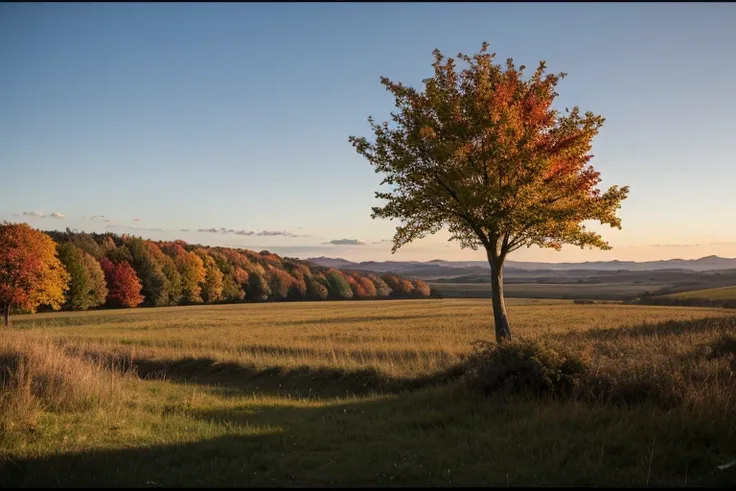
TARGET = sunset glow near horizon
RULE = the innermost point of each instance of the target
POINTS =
(228, 124)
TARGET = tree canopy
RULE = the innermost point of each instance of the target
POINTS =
(30, 271)
(482, 152)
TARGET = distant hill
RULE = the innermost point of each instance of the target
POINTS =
(439, 268)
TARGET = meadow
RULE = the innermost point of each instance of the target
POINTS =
(723, 293)
(581, 291)
(361, 393)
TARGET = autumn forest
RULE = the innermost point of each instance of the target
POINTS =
(124, 271)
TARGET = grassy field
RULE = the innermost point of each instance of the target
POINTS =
(357, 393)
(724, 293)
(594, 291)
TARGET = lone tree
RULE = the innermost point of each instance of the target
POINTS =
(30, 271)
(482, 152)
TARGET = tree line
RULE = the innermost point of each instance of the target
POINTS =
(77, 271)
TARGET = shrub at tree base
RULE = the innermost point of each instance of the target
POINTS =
(536, 369)
(522, 366)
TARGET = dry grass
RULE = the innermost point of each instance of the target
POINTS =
(398, 338)
(723, 293)
(37, 376)
(260, 407)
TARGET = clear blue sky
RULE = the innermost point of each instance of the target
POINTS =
(197, 116)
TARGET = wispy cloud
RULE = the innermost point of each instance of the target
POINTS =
(40, 214)
(673, 245)
(136, 219)
(264, 233)
(345, 242)
(722, 243)
(275, 233)
(382, 241)
(131, 227)
(727, 243)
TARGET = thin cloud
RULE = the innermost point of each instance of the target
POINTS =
(183, 230)
(345, 242)
(274, 233)
(263, 233)
(673, 245)
(40, 214)
(136, 219)
(130, 227)
(722, 243)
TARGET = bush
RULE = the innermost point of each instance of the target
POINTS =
(522, 366)
(537, 369)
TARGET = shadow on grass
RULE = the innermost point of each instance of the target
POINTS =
(711, 325)
(305, 381)
(235, 378)
(436, 437)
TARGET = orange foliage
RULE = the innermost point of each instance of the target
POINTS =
(30, 273)
(123, 285)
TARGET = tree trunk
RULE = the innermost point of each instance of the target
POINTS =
(6, 314)
(500, 320)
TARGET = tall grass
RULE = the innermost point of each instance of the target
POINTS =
(244, 394)
(36, 376)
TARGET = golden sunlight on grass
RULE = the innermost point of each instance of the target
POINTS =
(361, 393)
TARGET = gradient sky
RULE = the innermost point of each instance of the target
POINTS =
(157, 118)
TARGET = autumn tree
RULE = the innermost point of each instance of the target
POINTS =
(155, 282)
(173, 288)
(280, 283)
(212, 285)
(298, 289)
(87, 243)
(87, 286)
(364, 287)
(482, 152)
(400, 288)
(421, 288)
(339, 286)
(124, 287)
(231, 291)
(382, 289)
(316, 287)
(119, 254)
(30, 271)
(258, 289)
(192, 273)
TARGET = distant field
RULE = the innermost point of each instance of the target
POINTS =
(724, 293)
(588, 291)
(341, 393)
